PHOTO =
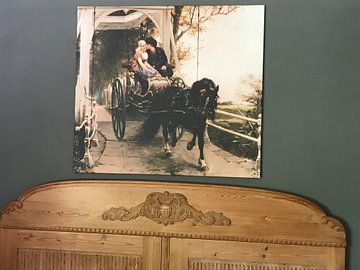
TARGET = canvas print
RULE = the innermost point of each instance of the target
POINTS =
(169, 90)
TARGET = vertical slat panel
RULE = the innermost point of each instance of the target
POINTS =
(28, 260)
(38, 259)
(206, 264)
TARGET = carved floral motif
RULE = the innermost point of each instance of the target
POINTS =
(167, 208)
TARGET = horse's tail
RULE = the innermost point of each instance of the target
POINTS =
(150, 128)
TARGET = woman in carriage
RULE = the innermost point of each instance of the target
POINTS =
(149, 77)
(142, 66)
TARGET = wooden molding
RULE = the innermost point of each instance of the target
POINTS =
(167, 208)
(184, 235)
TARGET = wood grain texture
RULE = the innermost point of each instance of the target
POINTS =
(8, 249)
(256, 215)
(39, 259)
(165, 253)
(203, 264)
(152, 253)
(120, 244)
(235, 253)
(64, 221)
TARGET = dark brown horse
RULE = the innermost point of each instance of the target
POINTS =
(188, 108)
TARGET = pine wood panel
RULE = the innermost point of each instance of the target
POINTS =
(152, 253)
(8, 249)
(39, 259)
(202, 254)
(81, 241)
(256, 215)
(202, 264)
(147, 248)
(166, 226)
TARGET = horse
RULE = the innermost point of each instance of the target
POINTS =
(186, 107)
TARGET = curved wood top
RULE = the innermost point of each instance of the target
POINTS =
(174, 210)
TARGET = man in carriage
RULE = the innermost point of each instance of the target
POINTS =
(157, 58)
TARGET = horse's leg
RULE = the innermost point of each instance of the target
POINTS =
(165, 129)
(201, 143)
(172, 128)
(190, 145)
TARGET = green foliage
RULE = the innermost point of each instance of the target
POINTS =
(79, 166)
(110, 49)
(255, 98)
(79, 151)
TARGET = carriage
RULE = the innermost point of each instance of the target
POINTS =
(191, 108)
(129, 91)
(134, 92)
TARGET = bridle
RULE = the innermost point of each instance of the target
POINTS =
(210, 99)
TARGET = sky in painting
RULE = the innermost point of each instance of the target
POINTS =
(230, 48)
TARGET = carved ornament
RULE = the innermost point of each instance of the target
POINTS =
(333, 223)
(167, 208)
(11, 207)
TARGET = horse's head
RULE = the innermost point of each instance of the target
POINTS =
(208, 92)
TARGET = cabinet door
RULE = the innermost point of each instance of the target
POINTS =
(39, 250)
(228, 255)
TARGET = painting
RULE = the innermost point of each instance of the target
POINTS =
(169, 90)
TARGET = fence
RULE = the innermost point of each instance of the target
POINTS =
(238, 134)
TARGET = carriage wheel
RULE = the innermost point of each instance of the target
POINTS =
(178, 82)
(118, 109)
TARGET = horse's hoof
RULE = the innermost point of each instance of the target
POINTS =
(203, 166)
(190, 146)
(167, 150)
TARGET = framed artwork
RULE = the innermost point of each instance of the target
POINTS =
(169, 90)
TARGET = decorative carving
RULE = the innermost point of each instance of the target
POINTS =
(11, 207)
(326, 220)
(167, 208)
(333, 223)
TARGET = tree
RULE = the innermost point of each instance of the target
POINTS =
(112, 47)
(254, 85)
(191, 19)
(186, 19)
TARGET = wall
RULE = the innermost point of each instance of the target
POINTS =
(311, 106)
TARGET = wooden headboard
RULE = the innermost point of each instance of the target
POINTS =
(108, 225)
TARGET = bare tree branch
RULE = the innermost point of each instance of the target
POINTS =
(190, 24)
(186, 21)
